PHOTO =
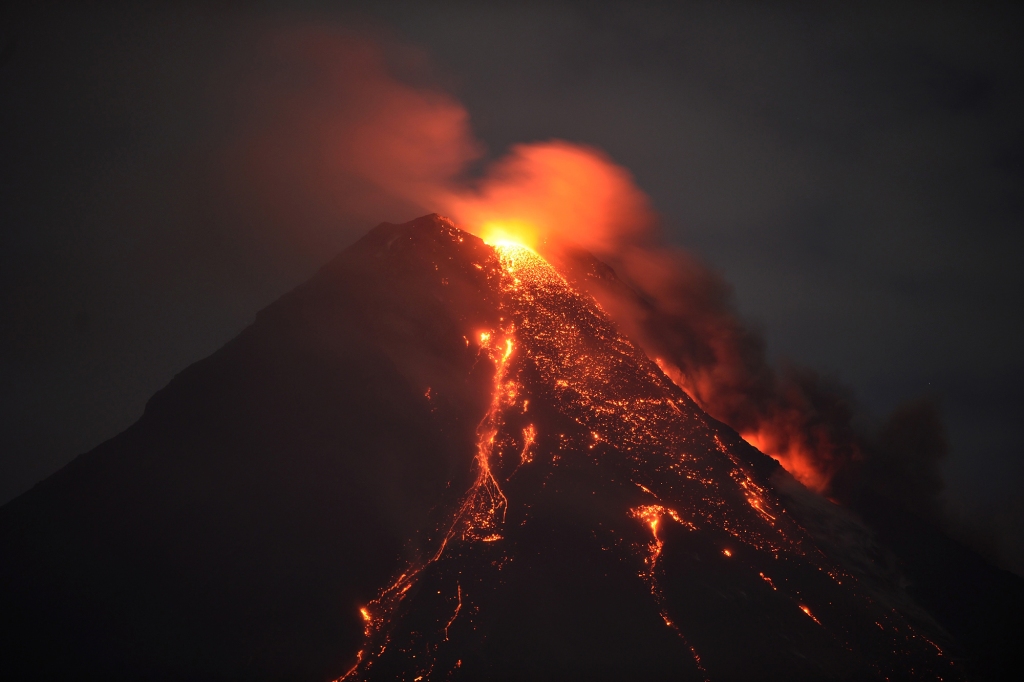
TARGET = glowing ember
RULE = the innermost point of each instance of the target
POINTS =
(529, 436)
(809, 614)
(455, 615)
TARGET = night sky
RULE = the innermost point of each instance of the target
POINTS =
(856, 173)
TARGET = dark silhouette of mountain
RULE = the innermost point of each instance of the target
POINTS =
(981, 606)
(438, 459)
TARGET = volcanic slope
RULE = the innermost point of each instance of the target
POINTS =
(435, 460)
(615, 530)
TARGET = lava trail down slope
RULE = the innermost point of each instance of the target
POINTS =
(615, 530)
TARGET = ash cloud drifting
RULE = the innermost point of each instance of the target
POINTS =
(347, 138)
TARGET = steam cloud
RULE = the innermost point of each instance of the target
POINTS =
(348, 141)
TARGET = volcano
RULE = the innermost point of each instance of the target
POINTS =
(440, 459)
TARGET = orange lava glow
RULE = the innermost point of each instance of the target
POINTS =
(809, 614)
(509, 233)
(483, 509)
(678, 469)
(458, 607)
(652, 514)
(529, 437)
(479, 517)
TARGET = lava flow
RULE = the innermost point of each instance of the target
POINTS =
(613, 526)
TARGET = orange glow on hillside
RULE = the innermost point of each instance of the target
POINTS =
(511, 233)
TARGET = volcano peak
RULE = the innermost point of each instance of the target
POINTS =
(438, 459)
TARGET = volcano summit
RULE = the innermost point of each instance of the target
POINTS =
(440, 459)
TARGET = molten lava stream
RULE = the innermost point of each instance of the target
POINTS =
(485, 500)
(479, 516)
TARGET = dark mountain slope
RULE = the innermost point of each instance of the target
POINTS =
(980, 605)
(267, 490)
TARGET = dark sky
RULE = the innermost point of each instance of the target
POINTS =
(855, 171)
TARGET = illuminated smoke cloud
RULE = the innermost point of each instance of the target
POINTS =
(554, 194)
(687, 321)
